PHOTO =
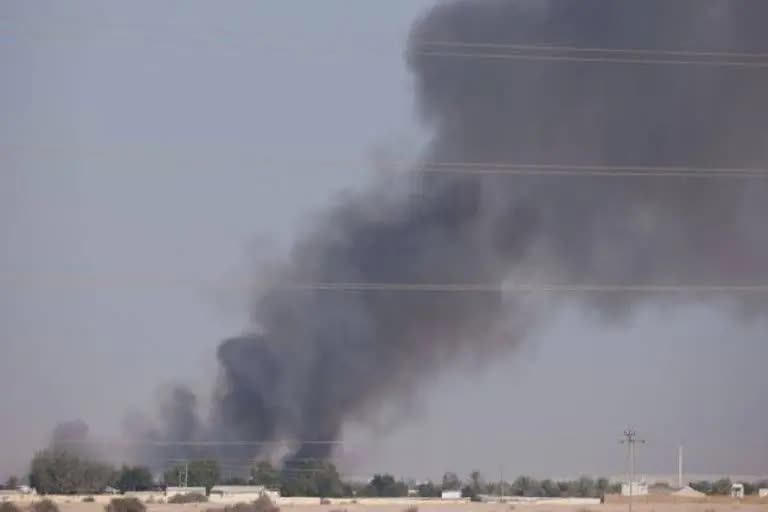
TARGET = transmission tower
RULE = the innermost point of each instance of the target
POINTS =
(631, 439)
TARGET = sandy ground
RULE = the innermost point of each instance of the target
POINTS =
(465, 507)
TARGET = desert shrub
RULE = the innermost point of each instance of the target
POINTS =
(89, 499)
(125, 505)
(264, 504)
(325, 501)
(192, 497)
(44, 506)
(412, 508)
(237, 507)
(7, 506)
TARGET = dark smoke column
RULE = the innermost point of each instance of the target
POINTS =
(318, 358)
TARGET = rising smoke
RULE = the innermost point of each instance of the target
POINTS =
(315, 359)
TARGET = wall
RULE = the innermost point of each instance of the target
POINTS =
(234, 497)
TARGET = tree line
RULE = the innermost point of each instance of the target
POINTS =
(723, 486)
(61, 472)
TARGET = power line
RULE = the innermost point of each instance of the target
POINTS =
(478, 168)
(586, 59)
(592, 49)
(149, 442)
(631, 439)
(446, 48)
(533, 287)
(502, 168)
(341, 286)
(219, 31)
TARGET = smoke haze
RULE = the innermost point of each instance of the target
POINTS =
(319, 358)
(312, 361)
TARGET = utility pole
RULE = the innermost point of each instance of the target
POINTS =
(680, 466)
(501, 484)
(630, 439)
(184, 475)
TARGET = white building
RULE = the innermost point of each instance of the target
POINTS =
(763, 493)
(175, 491)
(240, 493)
(737, 491)
(638, 489)
(451, 495)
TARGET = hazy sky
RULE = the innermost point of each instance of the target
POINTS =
(151, 154)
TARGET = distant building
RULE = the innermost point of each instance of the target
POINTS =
(241, 493)
(638, 489)
(176, 491)
(763, 493)
(451, 495)
(737, 491)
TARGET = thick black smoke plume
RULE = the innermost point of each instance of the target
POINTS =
(316, 359)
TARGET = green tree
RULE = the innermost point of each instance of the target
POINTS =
(12, 483)
(550, 489)
(722, 486)
(265, 474)
(749, 488)
(200, 473)
(476, 480)
(451, 482)
(428, 490)
(526, 486)
(234, 480)
(385, 485)
(60, 472)
(137, 478)
(704, 486)
(587, 488)
(311, 478)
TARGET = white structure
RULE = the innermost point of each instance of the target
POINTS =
(737, 491)
(637, 489)
(240, 493)
(170, 492)
(146, 496)
(688, 492)
(763, 493)
(451, 495)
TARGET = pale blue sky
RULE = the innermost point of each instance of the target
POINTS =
(151, 152)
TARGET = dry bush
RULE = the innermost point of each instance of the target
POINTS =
(237, 507)
(89, 499)
(263, 504)
(44, 506)
(412, 508)
(125, 505)
(325, 501)
(7, 506)
(192, 497)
